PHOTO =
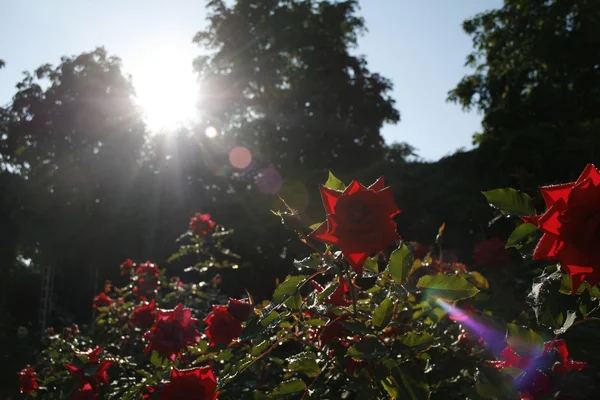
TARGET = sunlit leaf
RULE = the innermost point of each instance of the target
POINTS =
(334, 183)
(510, 201)
(447, 287)
(524, 341)
(383, 314)
(400, 265)
(287, 387)
(521, 235)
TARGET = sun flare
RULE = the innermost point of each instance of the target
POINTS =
(166, 88)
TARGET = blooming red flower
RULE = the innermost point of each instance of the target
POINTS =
(102, 300)
(28, 380)
(147, 282)
(571, 227)
(533, 381)
(92, 372)
(359, 221)
(201, 224)
(126, 267)
(222, 326)
(190, 384)
(240, 309)
(491, 253)
(144, 315)
(172, 332)
(148, 269)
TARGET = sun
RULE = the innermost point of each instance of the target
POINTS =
(165, 87)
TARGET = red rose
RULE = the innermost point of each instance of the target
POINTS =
(200, 224)
(93, 372)
(102, 300)
(571, 227)
(190, 384)
(127, 267)
(333, 331)
(240, 309)
(148, 269)
(491, 253)
(359, 221)
(85, 393)
(27, 380)
(533, 381)
(144, 315)
(222, 326)
(147, 282)
(172, 332)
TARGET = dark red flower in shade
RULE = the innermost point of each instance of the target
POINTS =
(359, 221)
(240, 309)
(534, 380)
(27, 380)
(89, 369)
(172, 332)
(222, 327)
(420, 251)
(86, 392)
(491, 253)
(146, 285)
(571, 227)
(126, 267)
(190, 384)
(200, 224)
(144, 315)
(102, 300)
(333, 331)
(340, 297)
(148, 269)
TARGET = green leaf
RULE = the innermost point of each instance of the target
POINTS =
(447, 287)
(414, 338)
(305, 362)
(413, 382)
(259, 348)
(260, 396)
(371, 266)
(334, 183)
(383, 314)
(524, 341)
(294, 302)
(287, 387)
(356, 327)
(157, 360)
(510, 201)
(367, 349)
(401, 261)
(315, 322)
(288, 288)
(315, 226)
(521, 235)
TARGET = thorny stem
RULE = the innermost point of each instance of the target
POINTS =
(352, 292)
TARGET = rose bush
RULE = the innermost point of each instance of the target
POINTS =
(367, 316)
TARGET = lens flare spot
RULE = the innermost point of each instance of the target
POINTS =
(211, 132)
(269, 181)
(240, 157)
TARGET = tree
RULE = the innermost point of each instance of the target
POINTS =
(536, 62)
(537, 83)
(73, 135)
(280, 80)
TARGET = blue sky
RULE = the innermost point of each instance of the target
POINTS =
(419, 45)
